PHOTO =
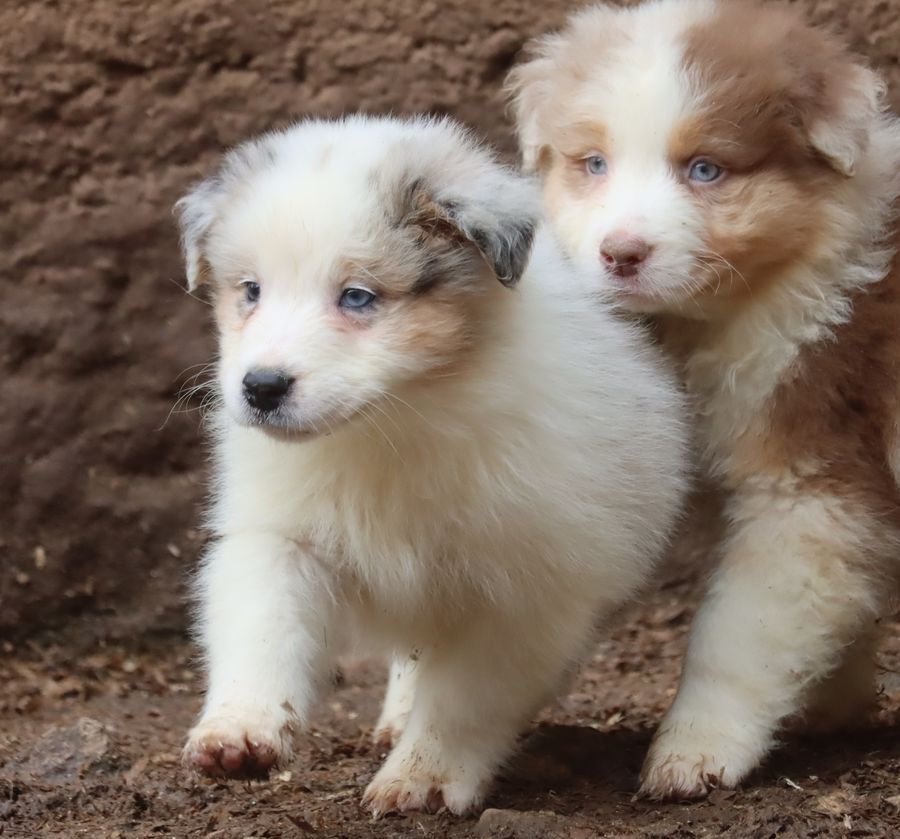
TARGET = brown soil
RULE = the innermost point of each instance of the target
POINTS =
(109, 109)
(574, 778)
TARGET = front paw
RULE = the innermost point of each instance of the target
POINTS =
(240, 744)
(684, 764)
(422, 779)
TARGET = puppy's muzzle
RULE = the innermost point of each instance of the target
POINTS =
(266, 390)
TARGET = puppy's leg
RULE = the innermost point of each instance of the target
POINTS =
(266, 624)
(473, 694)
(398, 700)
(796, 586)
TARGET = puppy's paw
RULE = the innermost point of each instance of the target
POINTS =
(390, 726)
(422, 781)
(396, 794)
(398, 702)
(678, 777)
(681, 768)
(239, 745)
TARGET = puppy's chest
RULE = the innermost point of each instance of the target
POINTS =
(416, 561)
(395, 547)
(733, 399)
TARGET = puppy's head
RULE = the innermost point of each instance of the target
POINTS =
(350, 261)
(692, 150)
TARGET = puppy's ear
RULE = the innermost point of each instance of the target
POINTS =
(529, 89)
(498, 217)
(835, 100)
(839, 123)
(196, 213)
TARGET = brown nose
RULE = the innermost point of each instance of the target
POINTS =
(623, 253)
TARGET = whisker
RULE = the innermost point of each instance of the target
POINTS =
(380, 430)
(362, 269)
(184, 397)
(190, 293)
(418, 413)
(727, 264)
(202, 365)
(387, 416)
(715, 270)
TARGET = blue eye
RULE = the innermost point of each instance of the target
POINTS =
(595, 165)
(251, 291)
(705, 171)
(356, 298)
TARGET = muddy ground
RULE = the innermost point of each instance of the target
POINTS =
(109, 109)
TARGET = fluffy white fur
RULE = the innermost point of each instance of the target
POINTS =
(475, 521)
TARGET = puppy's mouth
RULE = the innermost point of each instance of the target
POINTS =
(283, 431)
(289, 424)
(644, 304)
(283, 424)
(655, 289)
(637, 290)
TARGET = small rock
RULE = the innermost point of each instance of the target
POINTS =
(66, 753)
(40, 558)
(512, 824)
(615, 718)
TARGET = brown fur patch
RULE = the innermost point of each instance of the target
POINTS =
(567, 179)
(757, 227)
(434, 290)
(767, 80)
(578, 140)
(763, 80)
(840, 409)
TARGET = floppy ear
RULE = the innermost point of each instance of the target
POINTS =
(499, 219)
(528, 88)
(196, 213)
(838, 126)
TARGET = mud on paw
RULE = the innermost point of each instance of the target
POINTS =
(239, 746)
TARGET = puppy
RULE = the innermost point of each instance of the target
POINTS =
(410, 453)
(731, 172)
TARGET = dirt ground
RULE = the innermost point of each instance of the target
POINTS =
(91, 738)
(109, 109)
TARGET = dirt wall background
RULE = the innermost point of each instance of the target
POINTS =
(109, 109)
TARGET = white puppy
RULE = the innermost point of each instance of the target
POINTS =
(409, 452)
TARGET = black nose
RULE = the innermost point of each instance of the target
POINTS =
(265, 389)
